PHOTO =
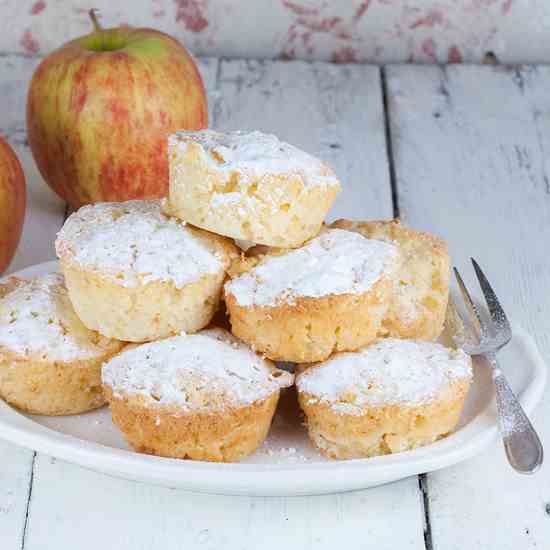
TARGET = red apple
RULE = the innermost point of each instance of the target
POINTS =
(13, 199)
(100, 108)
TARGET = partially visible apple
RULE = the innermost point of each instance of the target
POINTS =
(100, 108)
(13, 200)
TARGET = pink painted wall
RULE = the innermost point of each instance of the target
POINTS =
(378, 31)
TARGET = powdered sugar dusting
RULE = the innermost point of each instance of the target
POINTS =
(135, 242)
(390, 372)
(203, 371)
(37, 318)
(256, 154)
(282, 455)
(335, 262)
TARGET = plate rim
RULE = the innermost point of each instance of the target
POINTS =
(285, 479)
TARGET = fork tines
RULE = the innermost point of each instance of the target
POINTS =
(498, 331)
(495, 309)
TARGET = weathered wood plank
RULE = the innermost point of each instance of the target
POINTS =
(86, 511)
(15, 481)
(43, 219)
(15, 73)
(299, 102)
(45, 211)
(471, 147)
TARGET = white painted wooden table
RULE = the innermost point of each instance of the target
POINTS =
(463, 151)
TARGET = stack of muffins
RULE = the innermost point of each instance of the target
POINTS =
(356, 305)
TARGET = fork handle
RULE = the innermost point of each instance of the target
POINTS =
(521, 442)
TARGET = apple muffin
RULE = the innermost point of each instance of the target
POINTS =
(50, 363)
(301, 305)
(421, 286)
(135, 274)
(248, 185)
(204, 396)
(393, 396)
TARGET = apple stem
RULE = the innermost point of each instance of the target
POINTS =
(95, 21)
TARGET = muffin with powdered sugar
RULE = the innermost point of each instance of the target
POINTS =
(389, 397)
(50, 363)
(137, 275)
(330, 295)
(248, 185)
(204, 396)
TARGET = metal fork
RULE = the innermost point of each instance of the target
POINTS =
(521, 442)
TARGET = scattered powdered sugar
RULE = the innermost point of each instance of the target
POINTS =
(135, 242)
(37, 318)
(256, 154)
(335, 262)
(389, 372)
(200, 371)
(282, 454)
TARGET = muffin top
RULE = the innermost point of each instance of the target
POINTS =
(334, 262)
(134, 242)
(37, 319)
(207, 371)
(256, 154)
(422, 285)
(390, 372)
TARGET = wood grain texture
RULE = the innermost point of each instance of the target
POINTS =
(16, 73)
(45, 211)
(209, 68)
(15, 481)
(314, 106)
(43, 219)
(75, 508)
(472, 148)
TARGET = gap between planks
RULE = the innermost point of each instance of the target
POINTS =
(471, 154)
(425, 500)
(29, 500)
(422, 478)
(389, 145)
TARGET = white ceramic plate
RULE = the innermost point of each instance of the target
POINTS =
(287, 464)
